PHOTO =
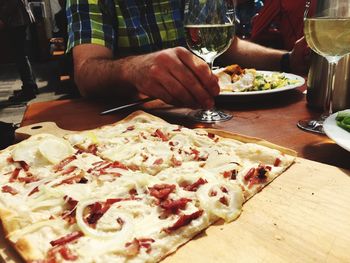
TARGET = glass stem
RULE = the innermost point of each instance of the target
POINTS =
(328, 105)
(210, 64)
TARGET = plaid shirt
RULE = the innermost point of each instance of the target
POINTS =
(126, 26)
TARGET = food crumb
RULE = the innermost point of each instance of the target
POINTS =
(278, 237)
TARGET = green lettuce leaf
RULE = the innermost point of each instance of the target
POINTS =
(343, 120)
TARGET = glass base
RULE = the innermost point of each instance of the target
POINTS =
(315, 126)
(209, 116)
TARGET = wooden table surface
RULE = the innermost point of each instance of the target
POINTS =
(271, 117)
(302, 216)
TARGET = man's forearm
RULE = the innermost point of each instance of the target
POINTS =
(248, 54)
(104, 77)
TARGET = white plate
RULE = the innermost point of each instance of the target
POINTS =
(337, 134)
(290, 76)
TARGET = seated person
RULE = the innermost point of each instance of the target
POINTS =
(123, 47)
(15, 17)
(279, 24)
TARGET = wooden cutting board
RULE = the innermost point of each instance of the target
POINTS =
(302, 216)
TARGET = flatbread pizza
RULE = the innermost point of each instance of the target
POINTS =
(133, 191)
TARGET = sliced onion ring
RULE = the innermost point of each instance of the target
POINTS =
(124, 234)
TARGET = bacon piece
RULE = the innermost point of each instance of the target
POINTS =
(162, 191)
(9, 189)
(277, 162)
(59, 167)
(120, 221)
(28, 179)
(83, 180)
(146, 240)
(194, 187)
(35, 190)
(103, 166)
(111, 201)
(223, 200)
(261, 172)
(133, 167)
(67, 238)
(69, 215)
(159, 161)
(77, 178)
(174, 206)
(183, 221)
(24, 165)
(145, 243)
(67, 254)
(133, 192)
(223, 189)
(70, 201)
(133, 247)
(71, 180)
(14, 174)
(232, 174)
(178, 129)
(51, 257)
(97, 166)
(10, 160)
(174, 161)
(130, 128)
(117, 164)
(195, 153)
(69, 170)
(98, 209)
(171, 143)
(213, 193)
(144, 157)
(249, 174)
(256, 175)
(158, 133)
(211, 135)
(92, 149)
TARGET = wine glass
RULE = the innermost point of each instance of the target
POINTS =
(209, 27)
(327, 32)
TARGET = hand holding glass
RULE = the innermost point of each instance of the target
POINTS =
(209, 27)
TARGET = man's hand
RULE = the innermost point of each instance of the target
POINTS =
(176, 76)
(2, 25)
(300, 57)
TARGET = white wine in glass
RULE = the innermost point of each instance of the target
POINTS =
(327, 32)
(209, 27)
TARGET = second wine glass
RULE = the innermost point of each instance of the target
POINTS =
(327, 32)
(209, 27)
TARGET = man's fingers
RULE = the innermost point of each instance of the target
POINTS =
(191, 85)
(201, 70)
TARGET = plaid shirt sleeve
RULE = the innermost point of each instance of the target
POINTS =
(87, 24)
